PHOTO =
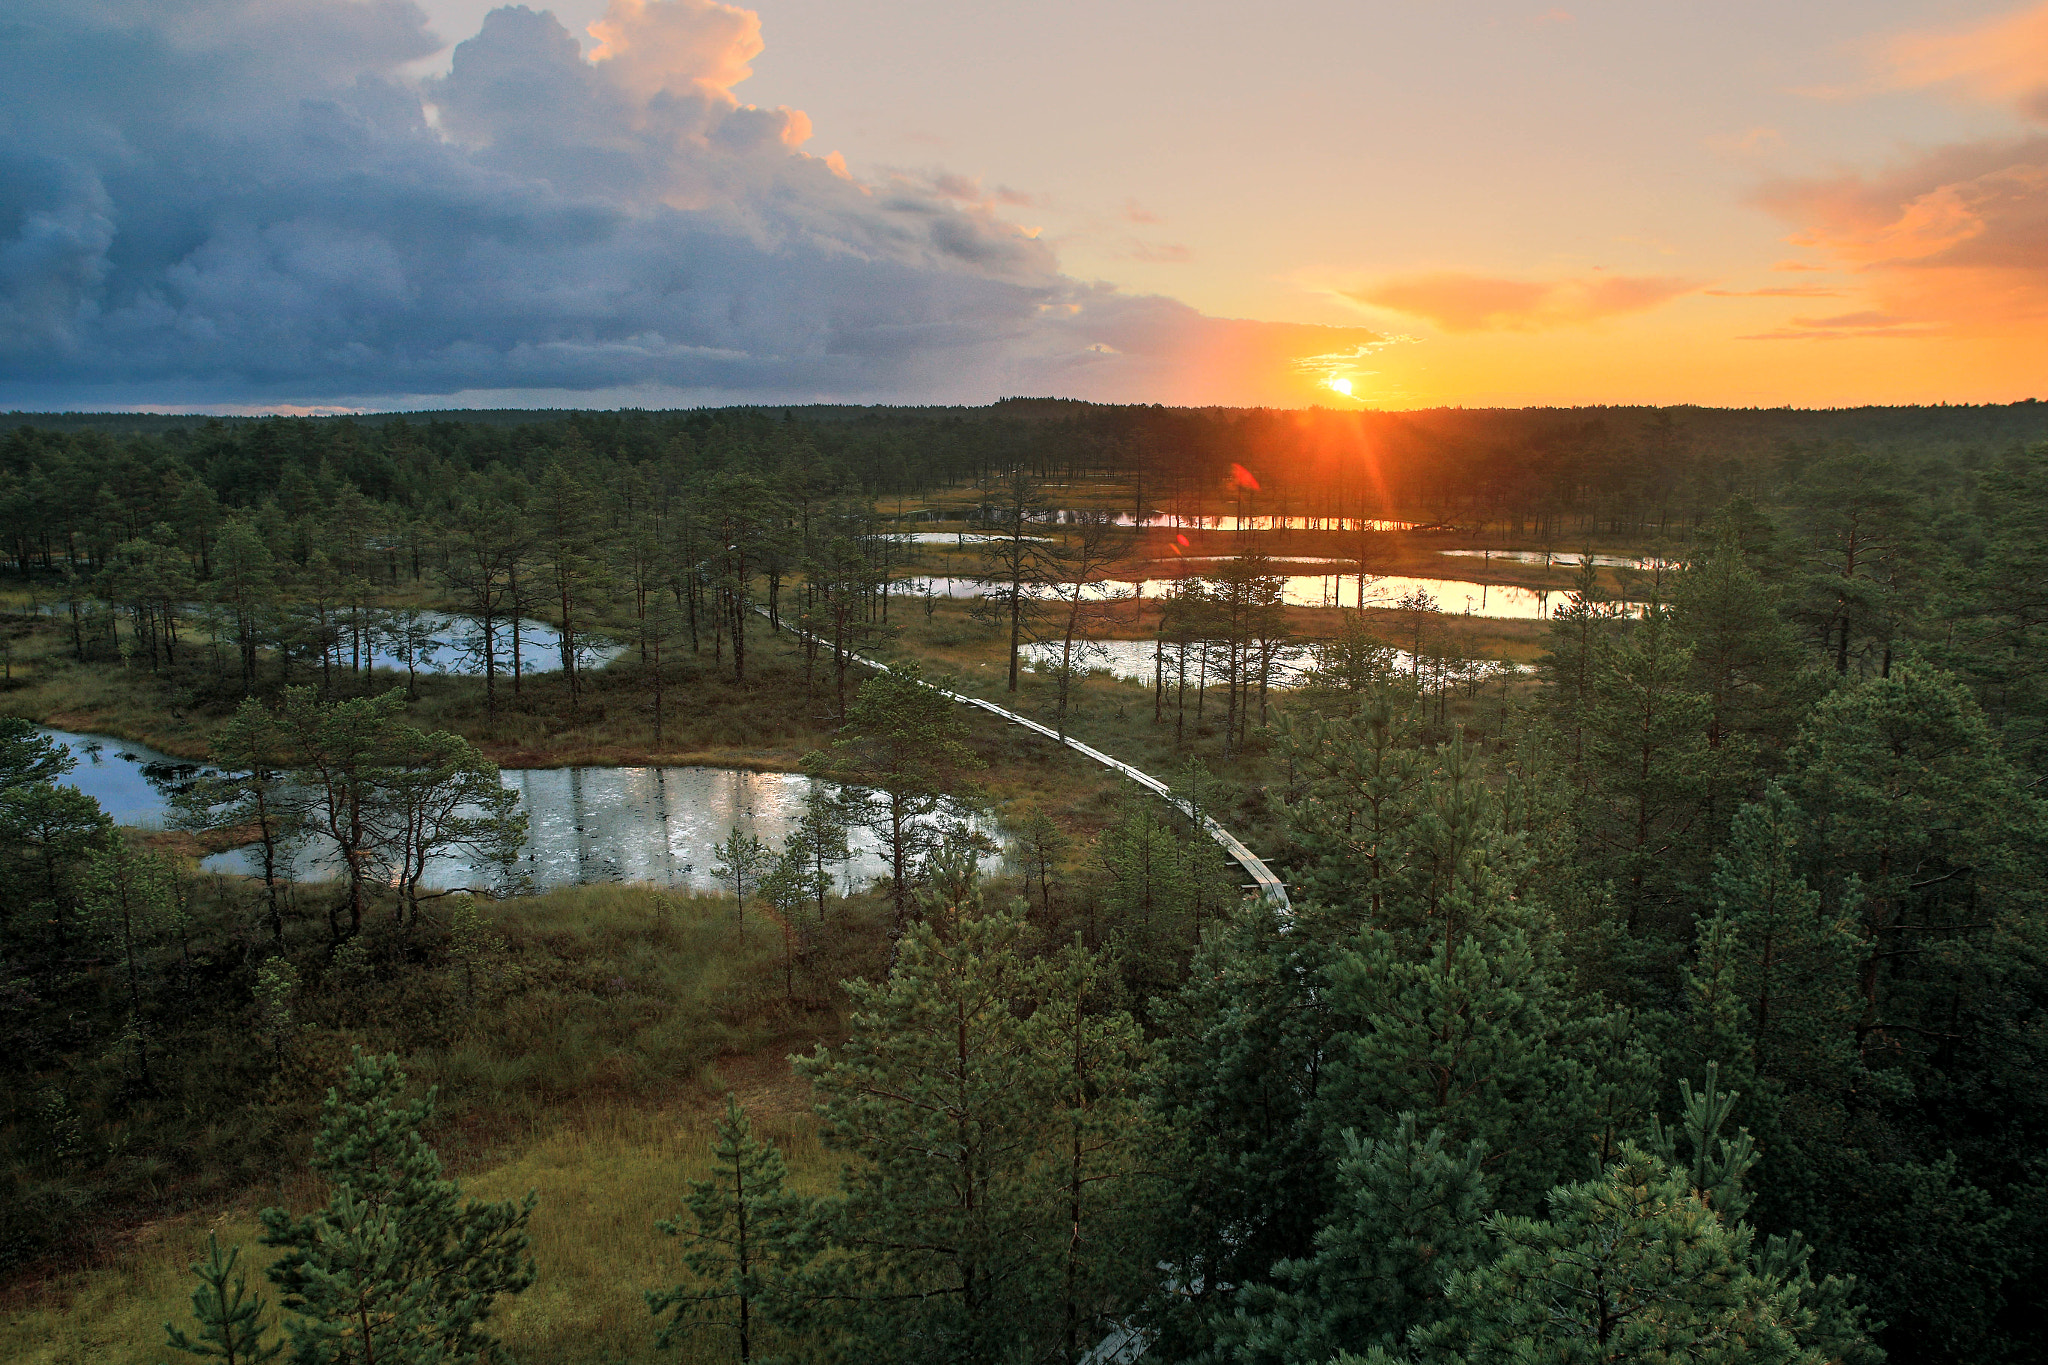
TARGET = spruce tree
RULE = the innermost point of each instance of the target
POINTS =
(397, 1269)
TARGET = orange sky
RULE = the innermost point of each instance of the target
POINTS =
(291, 204)
(1828, 203)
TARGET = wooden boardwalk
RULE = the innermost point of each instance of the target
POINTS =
(1263, 879)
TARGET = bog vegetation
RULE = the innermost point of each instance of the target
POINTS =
(1679, 998)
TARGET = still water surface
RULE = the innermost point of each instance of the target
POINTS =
(453, 647)
(586, 824)
(1451, 595)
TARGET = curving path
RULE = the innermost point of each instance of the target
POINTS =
(1263, 879)
(1125, 1343)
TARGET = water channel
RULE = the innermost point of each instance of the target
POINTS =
(1566, 561)
(1335, 589)
(586, 824)
(1133, 661)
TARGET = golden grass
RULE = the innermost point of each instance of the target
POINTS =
(603, 1180)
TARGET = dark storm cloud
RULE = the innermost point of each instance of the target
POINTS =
(241, 200)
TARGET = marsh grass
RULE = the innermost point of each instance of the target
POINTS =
(595, 999)
(604, 1177)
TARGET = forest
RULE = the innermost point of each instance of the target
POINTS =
(1661, 972)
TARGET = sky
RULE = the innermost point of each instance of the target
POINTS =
(325, 205)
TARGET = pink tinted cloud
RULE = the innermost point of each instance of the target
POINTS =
(1958, 235)
(1458, 302)
(2004, 58)
(677, 44)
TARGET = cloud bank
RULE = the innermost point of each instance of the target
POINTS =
(1955, 237)
(244, 201)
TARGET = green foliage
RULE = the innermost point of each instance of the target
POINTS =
(987, 1210)
(934, 1091)
(1718, 1164)
(738, 1237)
(28, 758)
(1632, 1267)
(230, 1318)
(1145, 904)
(476, 952)
(1408, 1215)
(742, 859)
(396, 1267)
(1648, 765)
(277, 990)
(902, 752)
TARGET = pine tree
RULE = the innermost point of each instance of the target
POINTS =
(1745, 659)
(249, 786)
(476, 952)
(1634, 1267)
(1579, 632)
(340, 754)
(1089, 1054)
(933, 1246)
(396, 1270)
(1454, 1001)
(277, 991)
(230, 1318)
(1648, 768)
(2001, 645)
(1918, 828)
(1647, 1265)
(1790, 966)
(1408, 1215)
(1149, 889)
(1353, 810)
(562, 516)
(743, 858)
(903, 749)
(738, 1237)
(1234, 1092)
(820, 839)
(1014, 559)
(1040, 846)
(130, 906)
(1862, 527)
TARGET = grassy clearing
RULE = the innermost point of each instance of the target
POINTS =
(600, 999)
(603, 1179)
